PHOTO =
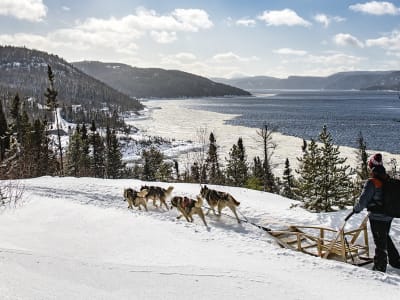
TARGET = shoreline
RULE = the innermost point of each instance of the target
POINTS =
(175, 120)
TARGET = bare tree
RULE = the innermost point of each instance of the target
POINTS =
(10, 193)
(52, 103)
(265, 133)
(197, 159)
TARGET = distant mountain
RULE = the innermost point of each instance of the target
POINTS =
(25, 71)
(358, 80)
(154, 82)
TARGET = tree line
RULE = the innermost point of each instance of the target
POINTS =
(322, 182)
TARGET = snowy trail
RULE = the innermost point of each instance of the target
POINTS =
(73, 238)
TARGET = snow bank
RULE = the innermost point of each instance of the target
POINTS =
(74, 238)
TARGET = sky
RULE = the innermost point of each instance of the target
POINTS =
(212, 38)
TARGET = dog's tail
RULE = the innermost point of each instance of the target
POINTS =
(199, 202)
(237, 203)
(169, 190)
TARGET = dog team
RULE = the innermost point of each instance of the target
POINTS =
(186, 206)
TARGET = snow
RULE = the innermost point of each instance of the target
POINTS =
(74, 238)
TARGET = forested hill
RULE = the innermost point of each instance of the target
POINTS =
(154, 82)
(24, 71)
(357, 80)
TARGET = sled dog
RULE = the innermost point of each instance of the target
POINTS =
(135, 198)
(220, 200)
(188, 207)
(156, 192)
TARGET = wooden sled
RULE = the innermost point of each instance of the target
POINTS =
(347, 246)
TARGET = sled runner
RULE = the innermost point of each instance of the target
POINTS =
(348, 246)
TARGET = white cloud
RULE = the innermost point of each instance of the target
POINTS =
(185, 56)
(288, 51)
(390, 42)
(115, 35)
(246, 22)
(376, 8)
(345, 39)
(193, 19)
(327, 20)
(65, 8)
(180, 20)
(286, 17)
(30, 10)
(232, 57)
(163, 37)
(334, 59)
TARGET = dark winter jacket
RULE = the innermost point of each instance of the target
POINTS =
(370, 196)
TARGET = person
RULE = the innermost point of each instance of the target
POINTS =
(371, 198)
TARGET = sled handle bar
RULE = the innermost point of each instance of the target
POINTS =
(348, 216)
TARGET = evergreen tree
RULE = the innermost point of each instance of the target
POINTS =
(52, 103)
(4, 138)
(97, 164)
(85, 153)
(214, 173)
(334, 182)
(237, 168)
(362, 156)
(74, 153)
(324, 179)
(114, 165)
(195, 173)
(152, 162)
(306, 189)
(15, 113)
(288, 181)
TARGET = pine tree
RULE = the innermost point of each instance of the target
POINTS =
(97, 162)
(52, 103)
(74, 153)
(288, 181)
(152, 162)
(362, 156)
(4, 138)
(324, 179)
(214, 172)
(306, 189)
(195, 172)
(335, 185)
(237, 168)
(15, 113)
(85, 154)
(114, 163)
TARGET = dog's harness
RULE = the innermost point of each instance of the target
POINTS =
(187, 203)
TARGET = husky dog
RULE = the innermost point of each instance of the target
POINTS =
(220, 200)
(188, 207)
(156, 192)
(135, 198)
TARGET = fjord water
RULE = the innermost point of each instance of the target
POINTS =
(376, 114)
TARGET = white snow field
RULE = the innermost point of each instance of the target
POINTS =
(74, 238)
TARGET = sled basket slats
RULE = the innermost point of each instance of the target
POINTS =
(347, 246)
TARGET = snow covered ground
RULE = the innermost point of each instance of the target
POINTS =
(74, 238)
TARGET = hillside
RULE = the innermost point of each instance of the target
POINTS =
(154, 82)
(360, 80)
(74, 238)
(24, 71)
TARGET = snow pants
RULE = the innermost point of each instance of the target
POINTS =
(384, 246)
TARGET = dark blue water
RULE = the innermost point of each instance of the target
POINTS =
(303, 113)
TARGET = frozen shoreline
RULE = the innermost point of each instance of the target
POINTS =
(173, 119)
